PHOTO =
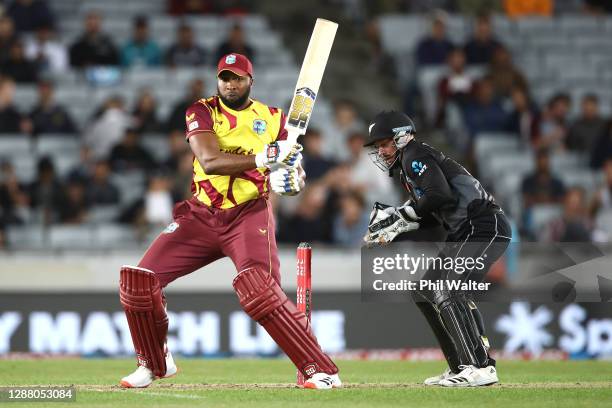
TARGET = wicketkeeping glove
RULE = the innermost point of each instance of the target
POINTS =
(388, 222)
(279, 154)
(286, 181)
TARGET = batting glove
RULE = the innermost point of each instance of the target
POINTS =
(280, 154)
(286, 181)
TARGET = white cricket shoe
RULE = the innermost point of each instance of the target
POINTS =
(471, 376)
(323, 381)
(436, 379)
(143, 377)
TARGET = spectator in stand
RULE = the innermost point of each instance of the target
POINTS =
(346, 121)
(158, 201)
(315, 164)
(603, 148)
(18, 67)
(46, 191)
(364, 179)
(145, 113)
(48, 54)
(235, 43)
(542, 186)
(176, 119)
(480, 47)
(11, 120)
(351, 223)
(129, 155)
(73, 205)
(435, 47)
(504, 74)
(7, 37)
(141, 50)
(182, 175)
(485, 112)
(552, 129)
(108, 128)
(574, 225)
(602, 200)
(311, 222)
(178, 148)
(83, 171)
(99, 189)
(30, 15)
(380, 62)
(588, 128)
(180, 7)
(455, 87)
(93, 47)
(48, 116)
(523, 118)
(14, 201)
(185, 52)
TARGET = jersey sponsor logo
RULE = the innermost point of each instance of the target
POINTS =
(190, 117)
(418, 167)
(259, 126)
(193, 125)
(230, 59)
(173, 226)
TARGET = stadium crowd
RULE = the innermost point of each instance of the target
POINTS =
(342, 183)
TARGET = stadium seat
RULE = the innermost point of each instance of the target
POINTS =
(103, 214)
(157, 145)
(492, 142)
(57, 144)
(26, 237)
(114, 236)
(69, 237)
(15, 144)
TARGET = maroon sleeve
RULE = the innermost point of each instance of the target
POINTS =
(282, 132)
(198, 118)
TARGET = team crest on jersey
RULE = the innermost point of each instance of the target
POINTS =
(173, 226)
(259, 126)
(418, 167)
(230, 59)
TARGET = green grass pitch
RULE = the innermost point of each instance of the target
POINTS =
(269, 383)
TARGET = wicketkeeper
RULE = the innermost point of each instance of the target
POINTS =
(240, 154)
(441, 190)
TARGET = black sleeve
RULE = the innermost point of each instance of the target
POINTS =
(429, 178)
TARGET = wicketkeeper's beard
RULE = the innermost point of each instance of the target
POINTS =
(236, 103)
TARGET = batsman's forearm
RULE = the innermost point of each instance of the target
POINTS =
(227, 164)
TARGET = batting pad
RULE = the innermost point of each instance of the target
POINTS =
(141, 297)
(264, 300)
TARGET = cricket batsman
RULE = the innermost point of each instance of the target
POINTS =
(240, 154)
(442, 191)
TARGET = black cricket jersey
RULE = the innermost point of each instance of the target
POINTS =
(441, 187)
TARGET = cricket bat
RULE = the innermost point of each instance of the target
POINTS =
(310, 78)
